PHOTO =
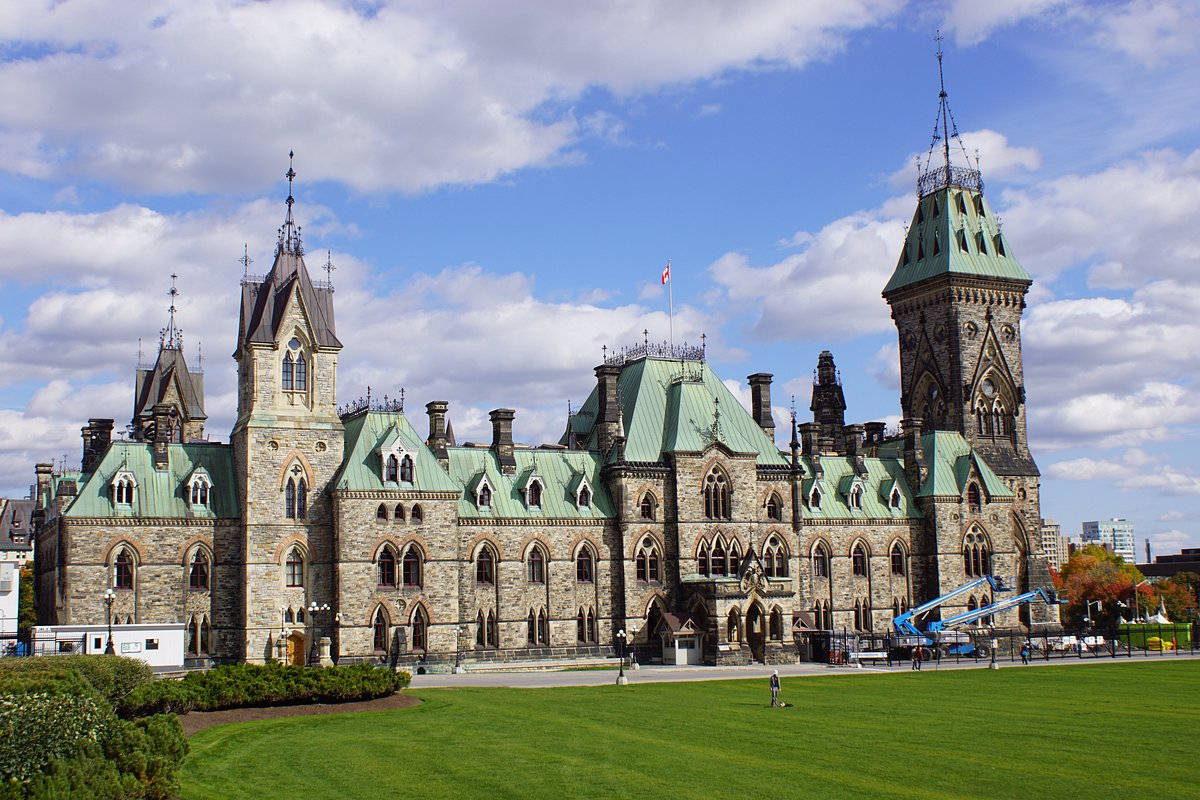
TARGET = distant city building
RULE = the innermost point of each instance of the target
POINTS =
(1053, 544)
(15, 530)
(1187, 560)
(1116, 533)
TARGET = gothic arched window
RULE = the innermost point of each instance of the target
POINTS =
(381, 512)
(293, 568)
(859, 559)
(420, 624)
(897, 559)
(977, 555)
(417, 514)
(702, 558)
(775, 626)
(123, 570)
(733, 626)
(387, 567)
(974, 498)
(301, 382)
(774, 508)
(379, 631)
(406, 469)
(533, 494)
(412, 567)
(485, 566)
(820, 559)
(776, 558)
(647, 506)
(536, 565)
(198, 572)
(647, 560)
(719, 566)
(583, 565)
(717, 495)
(392, 472)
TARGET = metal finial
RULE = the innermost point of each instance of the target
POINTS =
(401, 399)
(703, 345)
(245, 261)
(604, 352)
(171, 336)
(329, 267)
(646, 337)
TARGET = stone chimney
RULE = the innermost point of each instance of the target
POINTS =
(97, 436)
(914, 455)
(45, 474)
(874, 434)
(502, 439)
(828, 401)
(162, 434)
(760, 402)
(853, 435)
(436, 409)
(608, 414)
(810, 445)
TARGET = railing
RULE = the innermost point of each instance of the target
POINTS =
(944, 176)
(679, 352)
(368, 403)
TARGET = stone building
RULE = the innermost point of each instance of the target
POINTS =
(666, 510)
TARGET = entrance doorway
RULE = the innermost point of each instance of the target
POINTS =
(295, 649)
(756, 634)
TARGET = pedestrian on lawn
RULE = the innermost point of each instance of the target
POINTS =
(1025, 654)
(918, 657)
(775, 688)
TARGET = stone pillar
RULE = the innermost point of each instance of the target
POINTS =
(502, 441)
(608, 413)
(162, 434)
(436, 409)
(760, 402)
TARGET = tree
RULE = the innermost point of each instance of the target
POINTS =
(1176, 596)
(26, 613)
(1094, 574)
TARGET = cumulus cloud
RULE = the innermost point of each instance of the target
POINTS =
(1134, 471)
(207, 95)
(997, 158)
(1151, 31)
(971, 22)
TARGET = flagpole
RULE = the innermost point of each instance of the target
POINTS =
(671, 302)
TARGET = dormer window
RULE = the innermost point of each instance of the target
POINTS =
(585, 497)
(406, 469)
(483, 495)
(200, 489)
(894, 500)
(395, 461)
(124, 488)
(937, 246)
(583, 492)
(981, 243)
(856, 496)
(960, 202)
(962, 241)
(392, 469)
(533, 492)
(998, 244)
(978, 200)
(295, 367)
(814, 498)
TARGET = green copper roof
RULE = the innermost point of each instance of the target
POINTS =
(362, 469)
(954, 231)
(668, 406)
(838, 477)
(159, 494)
(561, 471)
(949, 459)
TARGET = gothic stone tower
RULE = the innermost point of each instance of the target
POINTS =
(288, 443)
(956, 296)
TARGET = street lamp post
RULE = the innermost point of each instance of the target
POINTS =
(621, 637)
(313, 610)
(109, 597)
(1136, 611)
(458, 668)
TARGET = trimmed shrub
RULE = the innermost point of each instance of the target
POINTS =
(151, 750)
(111, 676)
(242, 685)
(37, 727)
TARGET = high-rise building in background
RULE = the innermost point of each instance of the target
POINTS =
(1054, 549)
(1116, 533)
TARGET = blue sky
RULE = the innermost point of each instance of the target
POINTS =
(500, 189)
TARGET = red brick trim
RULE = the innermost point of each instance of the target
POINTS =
(295, 455)
(286, 544)
(192, 542)
(115, 542)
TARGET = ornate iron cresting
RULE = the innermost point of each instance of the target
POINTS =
(648, 349)
(943, 176)
(393, 405)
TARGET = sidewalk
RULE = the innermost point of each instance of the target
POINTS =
(666, 674)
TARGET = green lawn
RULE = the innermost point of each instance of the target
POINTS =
(1080, 731)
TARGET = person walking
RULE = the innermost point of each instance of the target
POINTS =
(918, 657)
(775, 688)
(1024, 654)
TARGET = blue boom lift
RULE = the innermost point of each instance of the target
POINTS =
(944, 632)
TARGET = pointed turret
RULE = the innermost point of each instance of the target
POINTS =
(170, 385)
(828, 402)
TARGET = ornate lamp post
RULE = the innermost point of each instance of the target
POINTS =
(621, 639)
(458, 667)
(320, 645)
(109, 597)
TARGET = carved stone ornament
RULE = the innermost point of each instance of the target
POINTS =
(753, 579)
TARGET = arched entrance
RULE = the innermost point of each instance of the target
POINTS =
(756, 632)
(295, 649)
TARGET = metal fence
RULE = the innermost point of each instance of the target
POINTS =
(1011, 645)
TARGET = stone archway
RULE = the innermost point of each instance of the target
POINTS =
(756, 631)
(295, 649)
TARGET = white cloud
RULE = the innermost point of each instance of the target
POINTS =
(1172, 541)
(1152, 31)
(972, 21)
(840, 269)
(1134, 471)
(404, 97)
(997, 158)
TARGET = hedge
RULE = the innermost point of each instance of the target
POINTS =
(112, 676)
(242, 685)
(39, 727)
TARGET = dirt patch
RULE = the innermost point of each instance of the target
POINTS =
(199, 720)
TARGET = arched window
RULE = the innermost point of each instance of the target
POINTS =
(289, 617)
(774, 507)
(387, 567)
(300, 614)
(193, 636)
(856, 496)
(536, 565)
(897, 558)
(381, 512)
(647, 506)
(531, 628)
(301, 373)
(894, 500)
(417, 515)
(776, 625)
(289, 371)
(895, 607)
(406, 469)
(591, 626)
(580, 627)
(971, 604)
(480, 630)
(295, 496)
(398, 514)
(543, 628)
(984, 602)
(820, 559)
(411, 567)
(123, 570)
(776, 558)
(719, 566)
(200, 487)
(293, 568)
(647, 560)
(814, 498)
(492, 637)
(585, 497)
(974, 498)
(717, 495)
(420, 624)
(485, 566)
(392, 472)
(859, 557)
(301, 499)
(379, 630)
(533, 494)
(977, 555)
(205, 635)
(198, 572)
(733, 627)
(583, 565)
(289, 499)
(123, 490)
(485, 496)
(702, 557)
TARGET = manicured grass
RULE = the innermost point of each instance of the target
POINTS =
(1109, 730)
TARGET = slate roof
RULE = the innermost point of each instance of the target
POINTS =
(16, 532)
(361, 469)
(159, 494)
(939, 215)
(560, 470)
(152, 386)
(668, 406)
(263, 304)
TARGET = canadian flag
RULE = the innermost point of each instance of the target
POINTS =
(666, 274)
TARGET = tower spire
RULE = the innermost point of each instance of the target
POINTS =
(289, 234)
(944, 129)
(942, 102)
(171, 337)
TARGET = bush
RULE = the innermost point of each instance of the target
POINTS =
(151, 750)
(242, 685)
(111, 676)
(37, 727)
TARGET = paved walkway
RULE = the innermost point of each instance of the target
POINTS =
(661, 674)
